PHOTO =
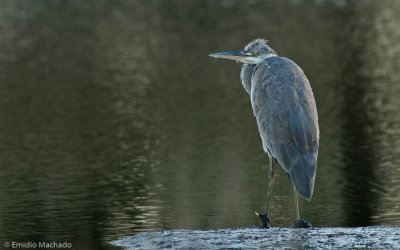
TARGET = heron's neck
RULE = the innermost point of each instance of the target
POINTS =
(245, 76)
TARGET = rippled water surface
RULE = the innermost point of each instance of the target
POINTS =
(375, 237)
(114, 120)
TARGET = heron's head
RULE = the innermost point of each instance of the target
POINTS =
(254, 53)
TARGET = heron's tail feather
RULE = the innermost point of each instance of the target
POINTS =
(302, 175)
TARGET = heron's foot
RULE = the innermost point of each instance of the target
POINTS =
(264, 219)
(301, 224)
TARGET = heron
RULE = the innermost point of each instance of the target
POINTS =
(284, 107)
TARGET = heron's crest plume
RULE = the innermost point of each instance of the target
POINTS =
(257, 41)
(260, 45)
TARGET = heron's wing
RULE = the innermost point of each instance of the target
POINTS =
(284, 107)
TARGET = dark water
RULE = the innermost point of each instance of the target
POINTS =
(114, 121)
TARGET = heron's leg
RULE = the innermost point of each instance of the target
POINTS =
(271, 179)
(296, 200)
(299, 223)
(264, 217)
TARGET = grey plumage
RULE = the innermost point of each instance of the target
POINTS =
(284, 107)
(285, 110)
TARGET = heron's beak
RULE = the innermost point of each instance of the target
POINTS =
(240, 56)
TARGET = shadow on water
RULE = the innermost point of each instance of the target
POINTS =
(115, 121)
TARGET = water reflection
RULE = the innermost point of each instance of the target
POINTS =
(383, 71)
(116, 121)
(358, 136)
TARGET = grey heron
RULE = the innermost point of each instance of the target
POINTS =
(284, 107)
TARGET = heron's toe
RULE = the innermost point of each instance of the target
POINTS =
(301, 224)
(265, 220)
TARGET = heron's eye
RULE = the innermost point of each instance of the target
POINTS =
(258, 53)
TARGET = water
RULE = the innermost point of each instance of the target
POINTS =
(377, 237)
(115, 121)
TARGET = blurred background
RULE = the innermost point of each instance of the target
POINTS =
(114, 120)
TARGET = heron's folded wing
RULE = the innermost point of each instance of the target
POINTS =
(285, 110)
